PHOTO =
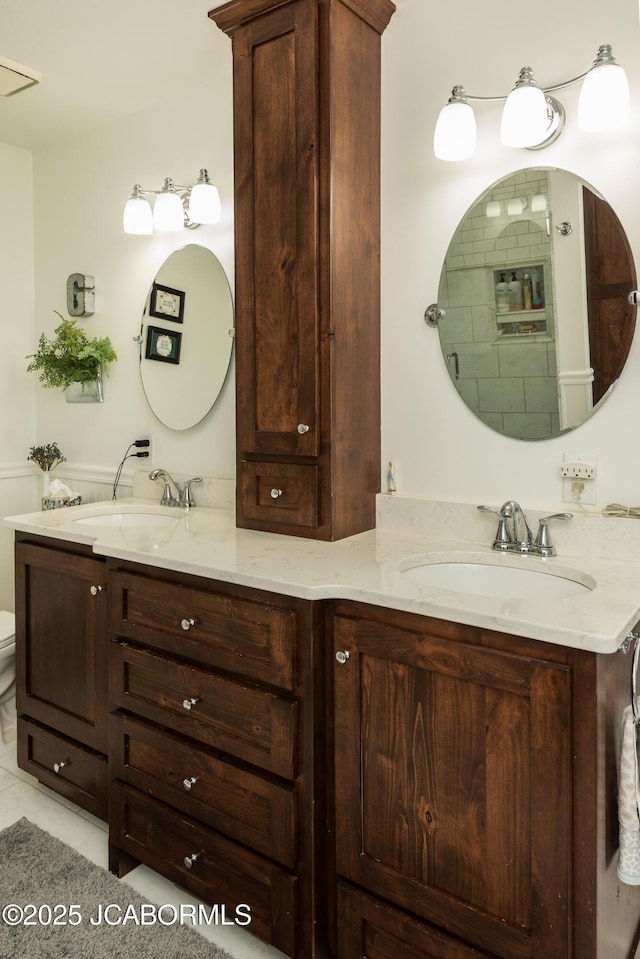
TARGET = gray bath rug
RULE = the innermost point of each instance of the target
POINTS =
(42, 878)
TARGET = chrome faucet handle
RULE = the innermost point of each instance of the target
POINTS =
(543, 545)
(503, 539)
(187, 496)
(167, 498)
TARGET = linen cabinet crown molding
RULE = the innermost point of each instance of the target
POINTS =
(307, 233)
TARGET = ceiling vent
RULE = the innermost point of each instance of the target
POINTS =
(15, 77)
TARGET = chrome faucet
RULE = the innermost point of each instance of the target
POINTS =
(513, 531)
(183, 495)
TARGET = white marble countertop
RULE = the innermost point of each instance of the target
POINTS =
(367, 567)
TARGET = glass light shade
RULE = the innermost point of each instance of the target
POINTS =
(524, 118)
(168, 213)
(455, 133)
(516, 206)
(137, 218)
(604, 98)
(204, 204)
(494, 208)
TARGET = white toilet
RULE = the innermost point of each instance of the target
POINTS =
(7, 676)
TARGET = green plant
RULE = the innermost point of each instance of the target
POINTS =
(70, 357)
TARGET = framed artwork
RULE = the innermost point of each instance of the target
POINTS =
(166, 303)
(163, 345)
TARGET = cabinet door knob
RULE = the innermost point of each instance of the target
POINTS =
(303, 428)
(342, 656)
(189, 783)
(189, 703)
(94, 590)
(276, 493)
(58, 767)
(189, 861)
(187, 624)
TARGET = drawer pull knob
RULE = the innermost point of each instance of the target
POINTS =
(58, 767)
(189, 861)
(303, 428)
(342, 656)
(187, 624)
(276, 493)
(94, 590)
(189, 703)
(189, 783)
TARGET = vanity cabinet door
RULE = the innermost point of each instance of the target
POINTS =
(453, 772)
(61, 641)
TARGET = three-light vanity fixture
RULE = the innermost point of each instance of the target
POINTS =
(532, 118)
(175, 207)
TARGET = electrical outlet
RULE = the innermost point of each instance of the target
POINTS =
(578, 471)
(140, 448)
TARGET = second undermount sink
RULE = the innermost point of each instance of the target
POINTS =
(130, 518)
(499, 580)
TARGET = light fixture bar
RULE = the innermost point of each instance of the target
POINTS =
(533, 121)
(177, 206)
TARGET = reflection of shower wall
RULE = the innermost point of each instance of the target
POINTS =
(509, 382)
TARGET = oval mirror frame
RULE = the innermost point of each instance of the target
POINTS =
(535, 287)
(186, 337)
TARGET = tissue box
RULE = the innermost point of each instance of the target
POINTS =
(57, 502)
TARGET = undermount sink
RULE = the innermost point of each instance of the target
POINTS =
(499, 580)
(130, 518)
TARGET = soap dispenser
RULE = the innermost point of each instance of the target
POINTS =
(515, 293)
(502, 295)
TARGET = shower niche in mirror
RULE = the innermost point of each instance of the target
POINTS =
(537, 323)
(186, 337)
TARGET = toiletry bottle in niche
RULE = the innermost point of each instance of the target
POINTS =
(515, 292)
(537, 290)
(502, 295)
(527, 291)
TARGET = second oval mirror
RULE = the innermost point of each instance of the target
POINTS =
(535, 287)
(186, 337)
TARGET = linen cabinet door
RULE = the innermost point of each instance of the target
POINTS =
(452, 765)
(275, 97)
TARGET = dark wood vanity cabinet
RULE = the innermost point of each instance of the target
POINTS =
(216, 745)
(307, 211)
(61, 668)
(475, 791)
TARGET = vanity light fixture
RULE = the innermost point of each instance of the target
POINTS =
(532, 118)
(175, 207)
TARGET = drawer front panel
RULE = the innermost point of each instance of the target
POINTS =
(256, 640)
(220, 871)
(82, 773)
(280, 493)
(249, 723)
(255, 811)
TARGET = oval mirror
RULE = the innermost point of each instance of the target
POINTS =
(186, 339)
(535, 288)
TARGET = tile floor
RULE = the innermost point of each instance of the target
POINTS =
(22, 795)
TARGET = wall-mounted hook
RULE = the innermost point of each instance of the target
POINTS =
(564, 228)
(80, 295)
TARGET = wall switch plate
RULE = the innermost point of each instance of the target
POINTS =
(578, 472)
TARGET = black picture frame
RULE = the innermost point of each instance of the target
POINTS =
(166, 303)
(163, 345)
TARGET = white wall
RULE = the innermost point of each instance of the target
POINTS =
(80, 191)
(439, 448)
(17, 397)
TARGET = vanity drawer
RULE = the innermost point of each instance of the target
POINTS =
(82, 775)
(285, 493)
(247, 722)
(220, 872)
(253, 810)
(257, 640)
